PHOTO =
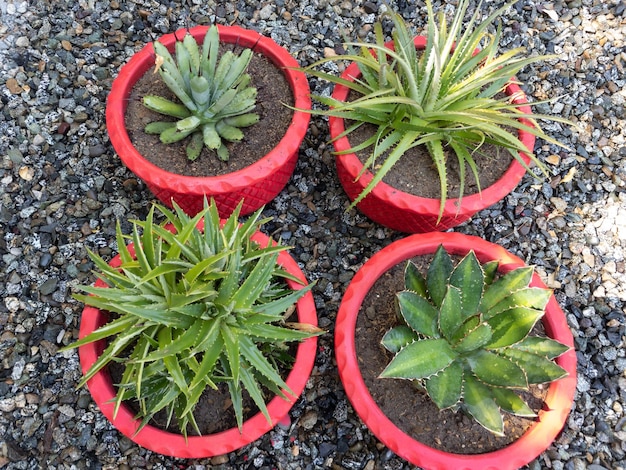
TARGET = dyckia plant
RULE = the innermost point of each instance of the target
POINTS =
(198, 304)
(448, 96)
(216, 99)
(465, 338)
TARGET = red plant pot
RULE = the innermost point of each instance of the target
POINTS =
(406, 212)
(560, 393)
(163, 442)
(256, 184)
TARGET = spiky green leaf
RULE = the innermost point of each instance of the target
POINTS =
(418, 313)
(398, 337)
(545, 347)
(438, 275)
(502, 287)
(476, 338)
(494, 369)
(446, 387)
(420, 360)
(414, 281)
(510, 402)
(538, 369)
(451, 315)
(468, 277)
(480, 404)
(512, 326)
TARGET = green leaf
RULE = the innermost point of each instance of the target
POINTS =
(234, 388)
(469, 279)
(165, 106)
(469, 325)
(209, 54)
(155, 315)
(476, 338)
(398, 337)
(171, 362)
(502, 287)
(252, 387)
(539, 370)
(255, 283)
(438, 275)
(279, 306)
(228, 132)
(231, 341)
(188, 339)
(193, 52)
(510, 402)
(494, 369)
(112, 328)
(531, 297)
(445, 388)
(546, 347)
(490, 269)
(418, 313)
(451, 316)
(276, 333)
(512, 326)
(212, 351)
(188, 125)
(420, 360)
(172, 134)
(255, 358)
(115, 347)
(414, 281)
(159, 126)
(194, 147)
(479, 403)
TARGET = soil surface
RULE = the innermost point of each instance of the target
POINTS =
(273, 98)
(409, 408)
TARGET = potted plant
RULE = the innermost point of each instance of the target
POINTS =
(194, 306)
(210, 79)
(440, 104)
(458, 336)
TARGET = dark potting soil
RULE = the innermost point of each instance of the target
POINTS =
(409, 408)
(273, 96)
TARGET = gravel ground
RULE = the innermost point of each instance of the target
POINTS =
(62, 188)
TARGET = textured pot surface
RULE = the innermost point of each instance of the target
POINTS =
(560, 395)
(258, 183)
(406, 212)
(167, 443)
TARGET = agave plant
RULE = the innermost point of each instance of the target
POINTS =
(216, 99)
(196, 305)
(448, 96)
(465, 338)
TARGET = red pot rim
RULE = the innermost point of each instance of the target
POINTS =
(470, 204)
(167, 443)
(143, 61)
(560, 393)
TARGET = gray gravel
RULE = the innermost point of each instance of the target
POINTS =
(62, 188)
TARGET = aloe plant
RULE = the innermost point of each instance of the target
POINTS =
(216, 99)
(195, 306)
(444, 97)
(465, 337)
